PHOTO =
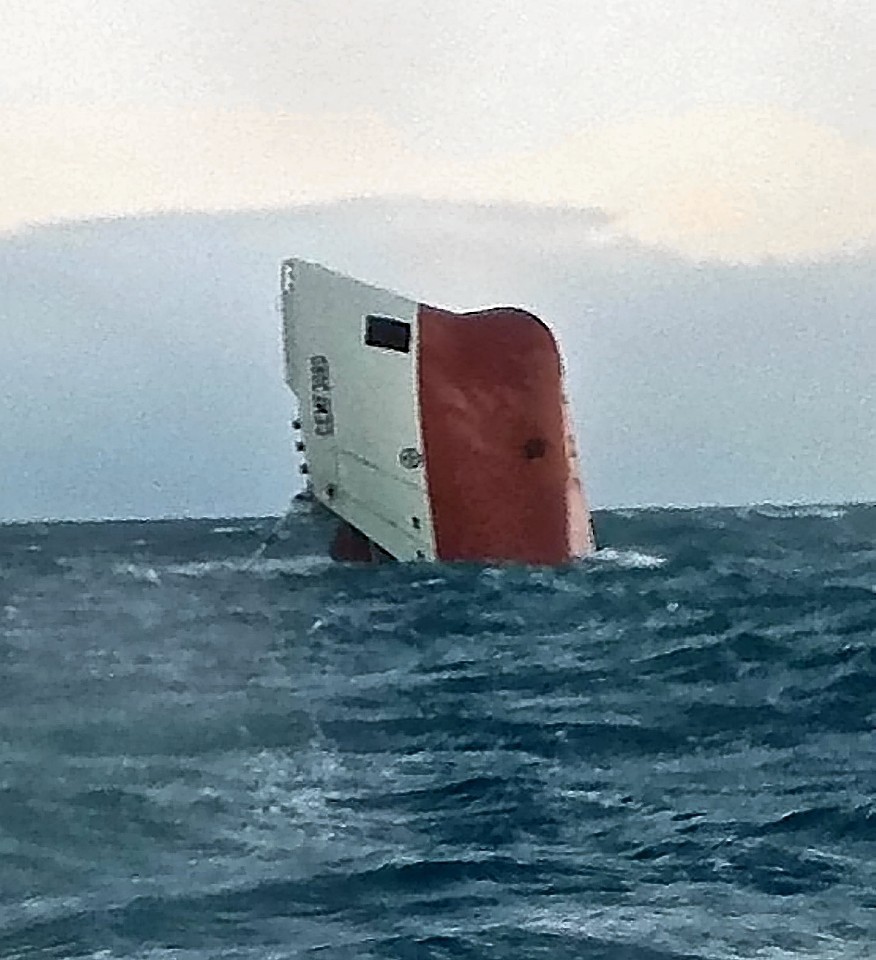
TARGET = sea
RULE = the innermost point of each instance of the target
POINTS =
(218, 747)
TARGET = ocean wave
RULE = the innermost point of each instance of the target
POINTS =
(664, 751)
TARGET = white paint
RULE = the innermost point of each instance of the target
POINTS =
(355, 471)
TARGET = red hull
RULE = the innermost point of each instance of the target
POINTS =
(352, 546)
(500, 476)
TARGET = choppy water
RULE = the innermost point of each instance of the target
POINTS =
(663, 752)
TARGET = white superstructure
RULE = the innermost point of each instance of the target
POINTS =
(351, 360)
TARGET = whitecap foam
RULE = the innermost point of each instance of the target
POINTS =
(629, 559)
(197, 569)
(141, 572)
(795, 511)
(259, 567)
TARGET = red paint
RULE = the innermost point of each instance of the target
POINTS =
(350, 545)
(502, 482)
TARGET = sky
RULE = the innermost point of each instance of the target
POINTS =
(736, 130)
(685, 190)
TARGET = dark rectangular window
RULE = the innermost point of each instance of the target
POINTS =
(388, 333)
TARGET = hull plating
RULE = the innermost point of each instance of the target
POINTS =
(432, 435)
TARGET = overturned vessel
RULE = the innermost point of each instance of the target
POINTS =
(429, 434)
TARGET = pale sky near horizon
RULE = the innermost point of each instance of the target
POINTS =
(736, 129)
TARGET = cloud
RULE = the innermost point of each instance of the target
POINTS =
(79, 162)
(475, 76)
(141, 370)
(732, 184)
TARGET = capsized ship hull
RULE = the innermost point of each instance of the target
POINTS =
(432, 435)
